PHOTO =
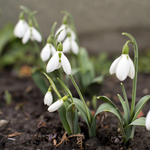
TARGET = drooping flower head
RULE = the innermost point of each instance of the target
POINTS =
(58, 60)
(70, 44)
(48, 50)
(48, 98)
(20, 27)
(123, 65)
(65, 30)
(147, 121)
(31, 33)
(57, 104)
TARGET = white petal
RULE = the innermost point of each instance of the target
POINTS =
(73, 35)
(52, 48)
(45, 53)
(122, 69)
(53, 63)
(147, 121)
(113, 66)
(55, 105)
(48, 99)
(65, 64)
(74, 47)
(63, 33)
(36, 35)
(20, 28)
(131, 69)
(66, 45)
(26, 36)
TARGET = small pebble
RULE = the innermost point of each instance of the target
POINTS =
(3, 122)
(145, 91)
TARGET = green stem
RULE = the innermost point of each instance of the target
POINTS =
(135, 47)
(81, 97)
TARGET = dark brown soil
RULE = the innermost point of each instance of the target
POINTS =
(37, 129)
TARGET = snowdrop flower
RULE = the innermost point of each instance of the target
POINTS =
(123, 65)
(20, 28)
(48, 98)
(147, 121)
(63, 33)
(65, 30)
(70, 44)
(47, 50)
(32, 34)
(57, 104)
(58, 60)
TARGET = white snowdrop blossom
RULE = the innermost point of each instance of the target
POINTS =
(20, 28)
(63, 33)
(70, 44)
(58, 60)
(147, 121)
(123, 67)
(47, 51)
(72, 34)
(48, 98)
(65, 30)
(32, 34)
(55, 105)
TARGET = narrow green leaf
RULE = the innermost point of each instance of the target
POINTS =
(106, 99)
(72, 118)
(140, 105)
(53, 85)
(108, 107)
(62, 114)
(65, 88)
(53, 28)
(125, 109)
(126, 99)
(76, 123)
(137, 122)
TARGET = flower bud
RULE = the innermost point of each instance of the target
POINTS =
(48, 99)
(49, 39)
(55, 105)
(147, 121)
(60, 47)
(64, 21)
(125, 49)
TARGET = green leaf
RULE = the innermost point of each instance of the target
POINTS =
(87, 73)
(72, 118)
(138, 122)
(6, 36)
(53, 85)
(129, 129)
(53, 28)
(62, 114)
(106, 99)
(140, 105)
(127, 114)
(125, 109)
(108, 107)
(38, 78)
(65, 88)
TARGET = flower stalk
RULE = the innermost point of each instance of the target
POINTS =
(135, 47)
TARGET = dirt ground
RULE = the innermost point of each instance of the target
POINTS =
(31, 127)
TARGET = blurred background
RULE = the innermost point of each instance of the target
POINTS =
(99, 23)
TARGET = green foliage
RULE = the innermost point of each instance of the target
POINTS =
(103, 59)
(8, 97)
(144, 61)
(12, 52)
